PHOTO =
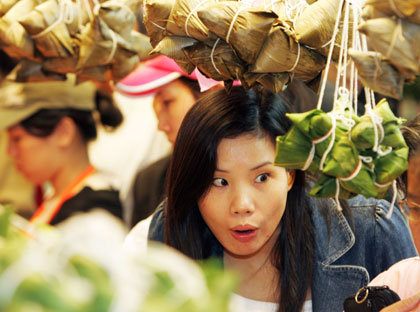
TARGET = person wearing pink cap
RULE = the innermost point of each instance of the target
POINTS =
(175, 93)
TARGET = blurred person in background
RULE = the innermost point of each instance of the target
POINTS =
(175, 93)
(410, 180)
(49, 125)
(14, 188)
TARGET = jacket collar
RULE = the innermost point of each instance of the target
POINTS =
(333, 233)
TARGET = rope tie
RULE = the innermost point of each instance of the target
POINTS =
(356, 171)
(394, 198)
(191, 14)
(386, 151)
(327, 65)
(310, 158)
(350, 177)
(114, 47)
(234, 21)
(395, 9)
(212, 56)
(377, 125)
(158, 26)
(65, 15)
(297, 59)
(397, 34)
(311, 154)
(382, 185)
(330, 145)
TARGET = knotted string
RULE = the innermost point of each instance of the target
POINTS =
(297, 59)
(242, 7)
(191, 14)
(327, 66)
(212, 56)
(65, 14)
(395, 9)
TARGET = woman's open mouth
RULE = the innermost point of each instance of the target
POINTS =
(244, 233)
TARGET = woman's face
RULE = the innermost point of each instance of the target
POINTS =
(171, 103)
(33, 156)
(244, 205)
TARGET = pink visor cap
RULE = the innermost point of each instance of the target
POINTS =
(157, 72)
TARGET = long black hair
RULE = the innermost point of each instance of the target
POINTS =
(44, 121)
(214, 117)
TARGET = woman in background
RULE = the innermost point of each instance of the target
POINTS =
(49, 126)
(175, 93)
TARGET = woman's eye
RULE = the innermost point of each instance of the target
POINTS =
(220, 182)
(166, 103)
(262, 177)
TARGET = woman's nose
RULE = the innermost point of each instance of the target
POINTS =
(242, 202)
(163, 125)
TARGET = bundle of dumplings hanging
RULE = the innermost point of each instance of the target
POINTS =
(74, 37)
(366, 156)
(390, 159)
(377, 73)
(15, 40)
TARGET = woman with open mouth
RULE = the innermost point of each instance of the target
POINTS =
(226, 199)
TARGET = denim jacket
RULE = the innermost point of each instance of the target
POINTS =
(348, 253)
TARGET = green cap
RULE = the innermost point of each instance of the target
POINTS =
(19, 101)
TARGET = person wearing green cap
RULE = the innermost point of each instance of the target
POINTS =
(49, 125)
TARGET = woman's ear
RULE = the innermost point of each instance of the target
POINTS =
(65, 131)
(290, 178)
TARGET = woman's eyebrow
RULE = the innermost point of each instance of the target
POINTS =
(252, 169)
(262, 165)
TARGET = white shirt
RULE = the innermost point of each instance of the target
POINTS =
(242, 304)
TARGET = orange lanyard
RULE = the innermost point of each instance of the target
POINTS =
(43, 215)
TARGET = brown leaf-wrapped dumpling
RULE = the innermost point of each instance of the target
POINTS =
(248, 31)
(224, 65)
(280, 53)
(378, 74)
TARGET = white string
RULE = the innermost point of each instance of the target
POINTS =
(394, 198)
(386, 151)
(158, 26)
(295, 10)
(212, 56)
(297, 59)
(382, 185)
(341, 70)
(354, 173)
(395, 9)
(330, 145)
(310, 158)
(114, 47)
(337, 194)
(243, 6)
(65, 14)
(317, 141)
(377, 122)
(327, 66)
(191, 14)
